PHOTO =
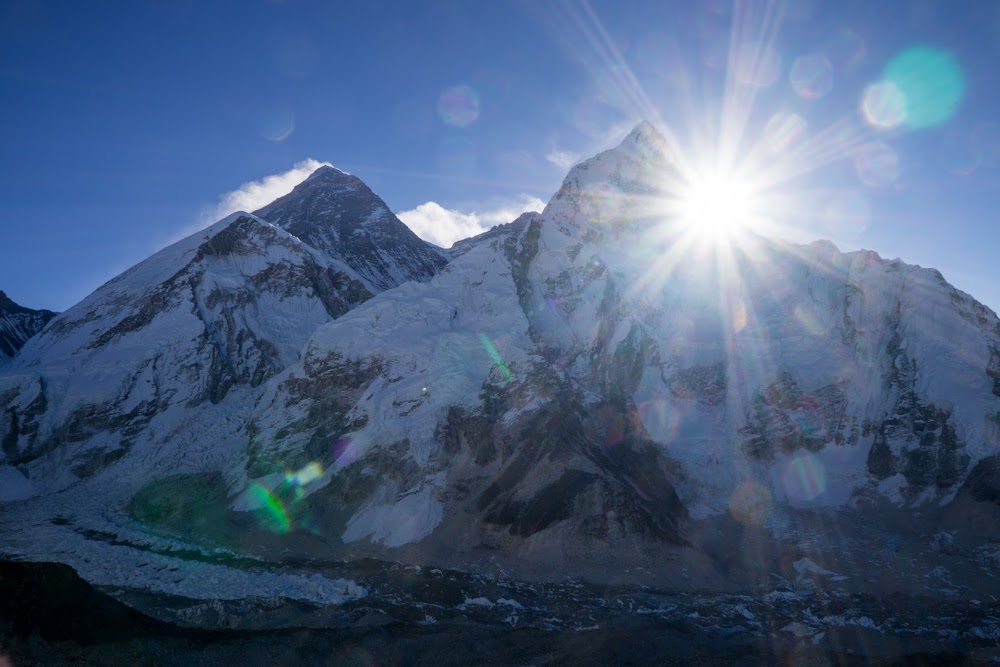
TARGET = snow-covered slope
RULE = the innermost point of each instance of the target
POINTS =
(17, 325)
(228, 307)
(590, 378)
(516, 227)
(584, 390)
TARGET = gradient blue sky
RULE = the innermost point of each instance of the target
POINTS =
(122, 124)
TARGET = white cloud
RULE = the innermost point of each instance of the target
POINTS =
(255, 194)
(248, 197)
(433, 222)
(562, 159)
(442, 226)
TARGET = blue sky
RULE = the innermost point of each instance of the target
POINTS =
(127, 124)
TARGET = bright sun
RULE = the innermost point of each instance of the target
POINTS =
(718, 206)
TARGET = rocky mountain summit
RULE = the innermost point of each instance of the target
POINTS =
(17, 325)
(586, 392)
(337, 214)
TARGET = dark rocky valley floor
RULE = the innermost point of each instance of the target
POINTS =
(877, 585)
(421, 616)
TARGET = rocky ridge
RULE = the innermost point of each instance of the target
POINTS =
(337, 214)
(195, 330)
(17, 325)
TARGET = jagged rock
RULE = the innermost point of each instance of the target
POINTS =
(17, 325)
(337, 214)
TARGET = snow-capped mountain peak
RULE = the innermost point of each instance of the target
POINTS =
(336, 213)
(621, 185)
(326, 171)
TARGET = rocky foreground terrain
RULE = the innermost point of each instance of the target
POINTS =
(48, 615)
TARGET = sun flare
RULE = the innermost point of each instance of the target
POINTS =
(718, 206)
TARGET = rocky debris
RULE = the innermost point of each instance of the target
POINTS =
(48, 615)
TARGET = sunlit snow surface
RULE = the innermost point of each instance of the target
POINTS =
(754, 309)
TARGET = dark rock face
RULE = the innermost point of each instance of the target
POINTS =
(595, 467)
(785, 418)
(983, 481)
(18, 324)
(993, 369)
(331, 387)
(706, 383)
(916, 439)
(339, 215)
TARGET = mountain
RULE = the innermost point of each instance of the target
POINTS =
(591, 392)
(584, 380)
(210, 318)
(463, 246)
(337, 214)
(17, 325)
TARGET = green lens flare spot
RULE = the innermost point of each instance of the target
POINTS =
(931, 83)
(495, 356)
(272, 509)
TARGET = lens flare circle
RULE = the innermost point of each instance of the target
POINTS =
(306, 475)
(459, 106)
(884, 105)
(495, 357)
(812, 76)
(846, 48)
(344, 451)
(660, 420)
(804, 478)
(877, 164)
(931, 83)
(273, 512)
(276, 124)
(750, 503)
